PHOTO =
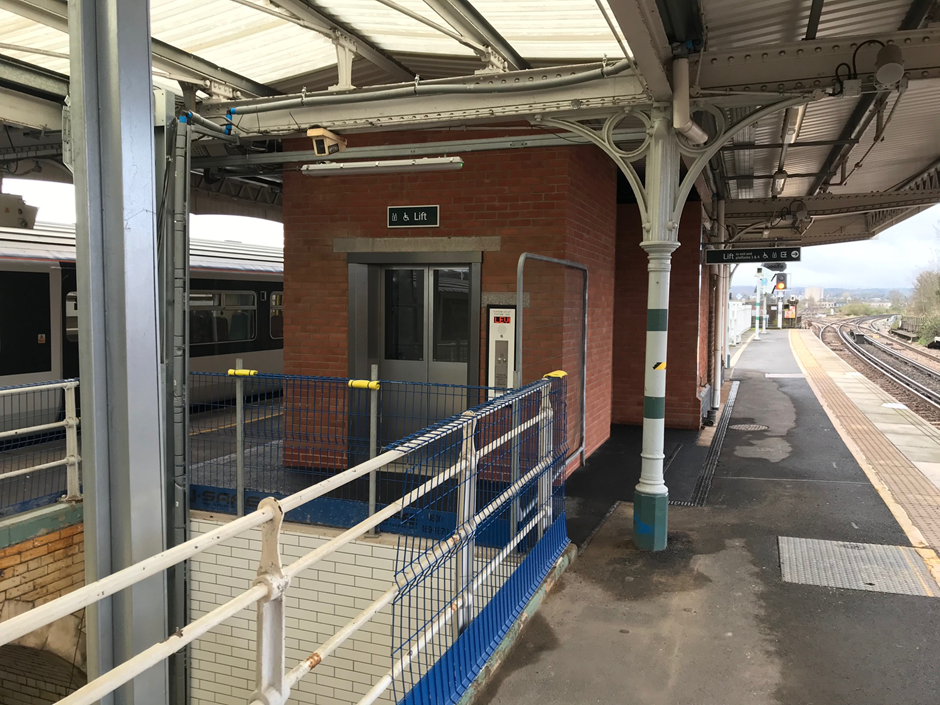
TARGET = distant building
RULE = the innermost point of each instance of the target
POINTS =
(817, 293)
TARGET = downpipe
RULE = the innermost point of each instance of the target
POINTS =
(681, 110)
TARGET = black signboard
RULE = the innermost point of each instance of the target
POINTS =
(753, 254)
(414, 216)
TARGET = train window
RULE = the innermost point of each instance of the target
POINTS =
(221, 316)
(71, 316)
(277, 314)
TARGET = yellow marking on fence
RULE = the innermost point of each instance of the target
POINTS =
(242, 373)
(363, 384)
(556, 373)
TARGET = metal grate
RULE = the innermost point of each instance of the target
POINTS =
(748, 427)
(856, 566)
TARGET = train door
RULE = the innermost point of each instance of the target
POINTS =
(426, 340)
(30, 344)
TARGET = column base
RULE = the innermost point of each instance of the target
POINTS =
(650, 521)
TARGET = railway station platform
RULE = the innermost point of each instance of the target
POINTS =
(808, 577)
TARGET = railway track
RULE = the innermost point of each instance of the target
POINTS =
(918, 379)
(916, 349)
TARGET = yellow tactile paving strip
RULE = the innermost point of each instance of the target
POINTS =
(907, 486)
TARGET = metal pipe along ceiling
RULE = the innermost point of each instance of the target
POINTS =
(361, 96)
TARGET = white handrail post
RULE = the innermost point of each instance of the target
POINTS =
(545, 451)
(73, 491)
(270, 685)
(373, 441)
(466, 510)
(240, 439)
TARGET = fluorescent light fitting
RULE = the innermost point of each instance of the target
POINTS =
(780, 181)
(389, 166)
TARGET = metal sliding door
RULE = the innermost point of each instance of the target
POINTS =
(425, 338)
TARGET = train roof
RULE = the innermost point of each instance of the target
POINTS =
(57, 242)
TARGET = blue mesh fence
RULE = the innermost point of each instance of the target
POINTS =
(299, 431)
(32, 434)
(490, 531)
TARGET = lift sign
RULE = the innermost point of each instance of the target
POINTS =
(753, 254)
(414, 216)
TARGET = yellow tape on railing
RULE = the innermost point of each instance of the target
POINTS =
(556, 373)
(242, 373)
(363, 384)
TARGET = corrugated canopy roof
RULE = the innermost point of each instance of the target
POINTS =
(869, 140)
(265, 41)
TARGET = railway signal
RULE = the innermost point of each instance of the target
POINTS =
(781, 282)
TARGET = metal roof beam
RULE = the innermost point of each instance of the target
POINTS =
(831, 204)
(812, 24)
(341, 33)
(179, 64)
(916, 14)
(777, 145)
(642, 26)
(808, 65)
(28, 111)
(423, 149)
(585, 100)
(467, 20)
(33, 80)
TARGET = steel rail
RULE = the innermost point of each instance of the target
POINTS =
(923, 392)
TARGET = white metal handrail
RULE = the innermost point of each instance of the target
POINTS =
(273, 683)
(70, 423)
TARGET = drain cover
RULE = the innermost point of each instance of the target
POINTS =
(748, 427)
(856, 566)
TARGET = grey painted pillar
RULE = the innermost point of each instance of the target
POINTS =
(651, 499)
(122, 425)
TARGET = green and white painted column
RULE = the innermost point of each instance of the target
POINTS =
(660, 239)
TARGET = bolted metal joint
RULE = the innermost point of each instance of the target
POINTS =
(270, 570)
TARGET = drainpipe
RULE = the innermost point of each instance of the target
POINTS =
(660, 239)
(681, 112)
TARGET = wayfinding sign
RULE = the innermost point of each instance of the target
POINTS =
(414, 216)
(753, 254)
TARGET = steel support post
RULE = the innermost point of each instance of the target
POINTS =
(72, 482)
(651, 499)
(373, 441)
(721, 324)
(466, 510)
(759, 304)
(176, 347)
(545, 451)
(122, 402)
(239, 439)
(270, 685)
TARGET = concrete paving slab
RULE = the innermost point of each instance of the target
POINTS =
(709, 621)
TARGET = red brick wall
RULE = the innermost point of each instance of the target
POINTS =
(558, 202)
(687, 346)
(593, 229)
(43, 568)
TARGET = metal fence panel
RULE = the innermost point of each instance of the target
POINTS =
(39, 440)
(466, 577)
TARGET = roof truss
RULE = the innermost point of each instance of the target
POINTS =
(179, 64)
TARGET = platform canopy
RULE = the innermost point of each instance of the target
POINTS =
(855, 137)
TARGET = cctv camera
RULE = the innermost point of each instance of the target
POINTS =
(325, 142)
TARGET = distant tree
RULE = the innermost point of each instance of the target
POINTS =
(925, 298)
(897, 299)
(857, 308)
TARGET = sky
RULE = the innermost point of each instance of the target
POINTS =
(892, 260)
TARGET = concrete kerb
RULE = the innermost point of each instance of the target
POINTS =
(22, 527)
(502, 651)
